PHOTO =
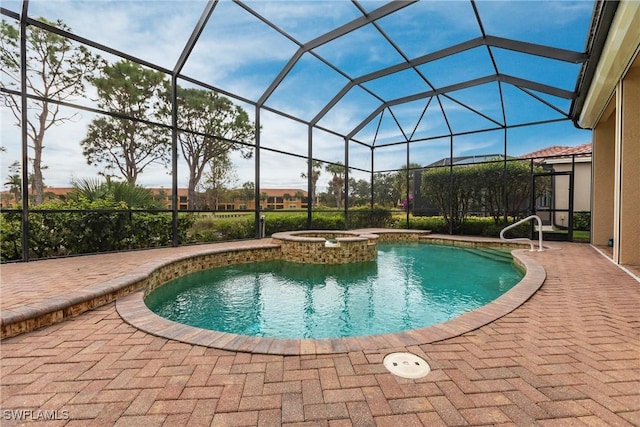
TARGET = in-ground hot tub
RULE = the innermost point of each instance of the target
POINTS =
(326, 247)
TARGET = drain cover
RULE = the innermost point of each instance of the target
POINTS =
(406, 365)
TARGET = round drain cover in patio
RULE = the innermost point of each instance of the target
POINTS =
(406, 365)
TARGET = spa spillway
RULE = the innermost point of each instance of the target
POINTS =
(326, 247)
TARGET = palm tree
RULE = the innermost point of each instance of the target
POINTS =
(316, 169)
(337, 182)
(92, 189)
(14, 182)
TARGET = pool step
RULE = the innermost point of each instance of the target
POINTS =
(492, 253)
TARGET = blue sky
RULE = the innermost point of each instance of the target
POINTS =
(242, 55)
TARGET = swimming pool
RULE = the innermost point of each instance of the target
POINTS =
(410, 286)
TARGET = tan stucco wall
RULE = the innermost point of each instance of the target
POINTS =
(603, 171)
(561, 196)
(630, 168)
(581, 186)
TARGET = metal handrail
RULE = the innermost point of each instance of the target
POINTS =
(536, 217)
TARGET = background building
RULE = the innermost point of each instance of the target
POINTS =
(556, 207)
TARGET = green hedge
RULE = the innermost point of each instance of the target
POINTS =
(366, 218)
(105, 226)
(222, 229)
(582, 221)
(472, 226)
(112, 227)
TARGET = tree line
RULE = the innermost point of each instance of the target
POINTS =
(389, 188)
(135, 132)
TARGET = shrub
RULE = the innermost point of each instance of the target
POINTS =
(80, 226)
(233, 229)
(582, 221)
(327, 221)
(472, 226)
(495, 188)
(10, 236)
(364, 217)
(277, 222)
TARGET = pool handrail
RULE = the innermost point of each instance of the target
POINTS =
(530, 217)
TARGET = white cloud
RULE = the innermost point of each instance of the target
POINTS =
(242, 55)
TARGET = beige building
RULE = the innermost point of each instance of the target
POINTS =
(565, 160)
(612, 109)
(270, 199)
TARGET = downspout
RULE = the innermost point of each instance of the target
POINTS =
(603, 14)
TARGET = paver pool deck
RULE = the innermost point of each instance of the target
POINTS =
(570, 355)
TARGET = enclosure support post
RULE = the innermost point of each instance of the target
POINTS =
(256, 186)
(505, 200)
(310, 188)
(532, 207)
(407, 184)
(23, 128)
(346, 184)
(450, 184)
(174, 160)
(571, 197)
(372, 179)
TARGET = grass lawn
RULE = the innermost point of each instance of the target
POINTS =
(578, 235)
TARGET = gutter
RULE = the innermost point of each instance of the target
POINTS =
(603, 14)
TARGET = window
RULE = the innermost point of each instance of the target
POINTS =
(544, 201)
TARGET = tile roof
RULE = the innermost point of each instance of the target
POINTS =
(559, 150)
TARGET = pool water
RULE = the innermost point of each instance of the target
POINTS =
(409, 286)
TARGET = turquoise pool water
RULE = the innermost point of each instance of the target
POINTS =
(409, 286)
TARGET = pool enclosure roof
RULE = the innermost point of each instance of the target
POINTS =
(374, 73)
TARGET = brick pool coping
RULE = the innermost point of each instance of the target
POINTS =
(63, 288)
(133, 310)
(60, 301)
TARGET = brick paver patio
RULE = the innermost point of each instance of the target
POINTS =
(568, 356)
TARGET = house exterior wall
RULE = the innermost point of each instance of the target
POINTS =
(616, 204)
(603, 182)
(629, 168)
(615, 88)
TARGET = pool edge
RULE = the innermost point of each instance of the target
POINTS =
(133, 311)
